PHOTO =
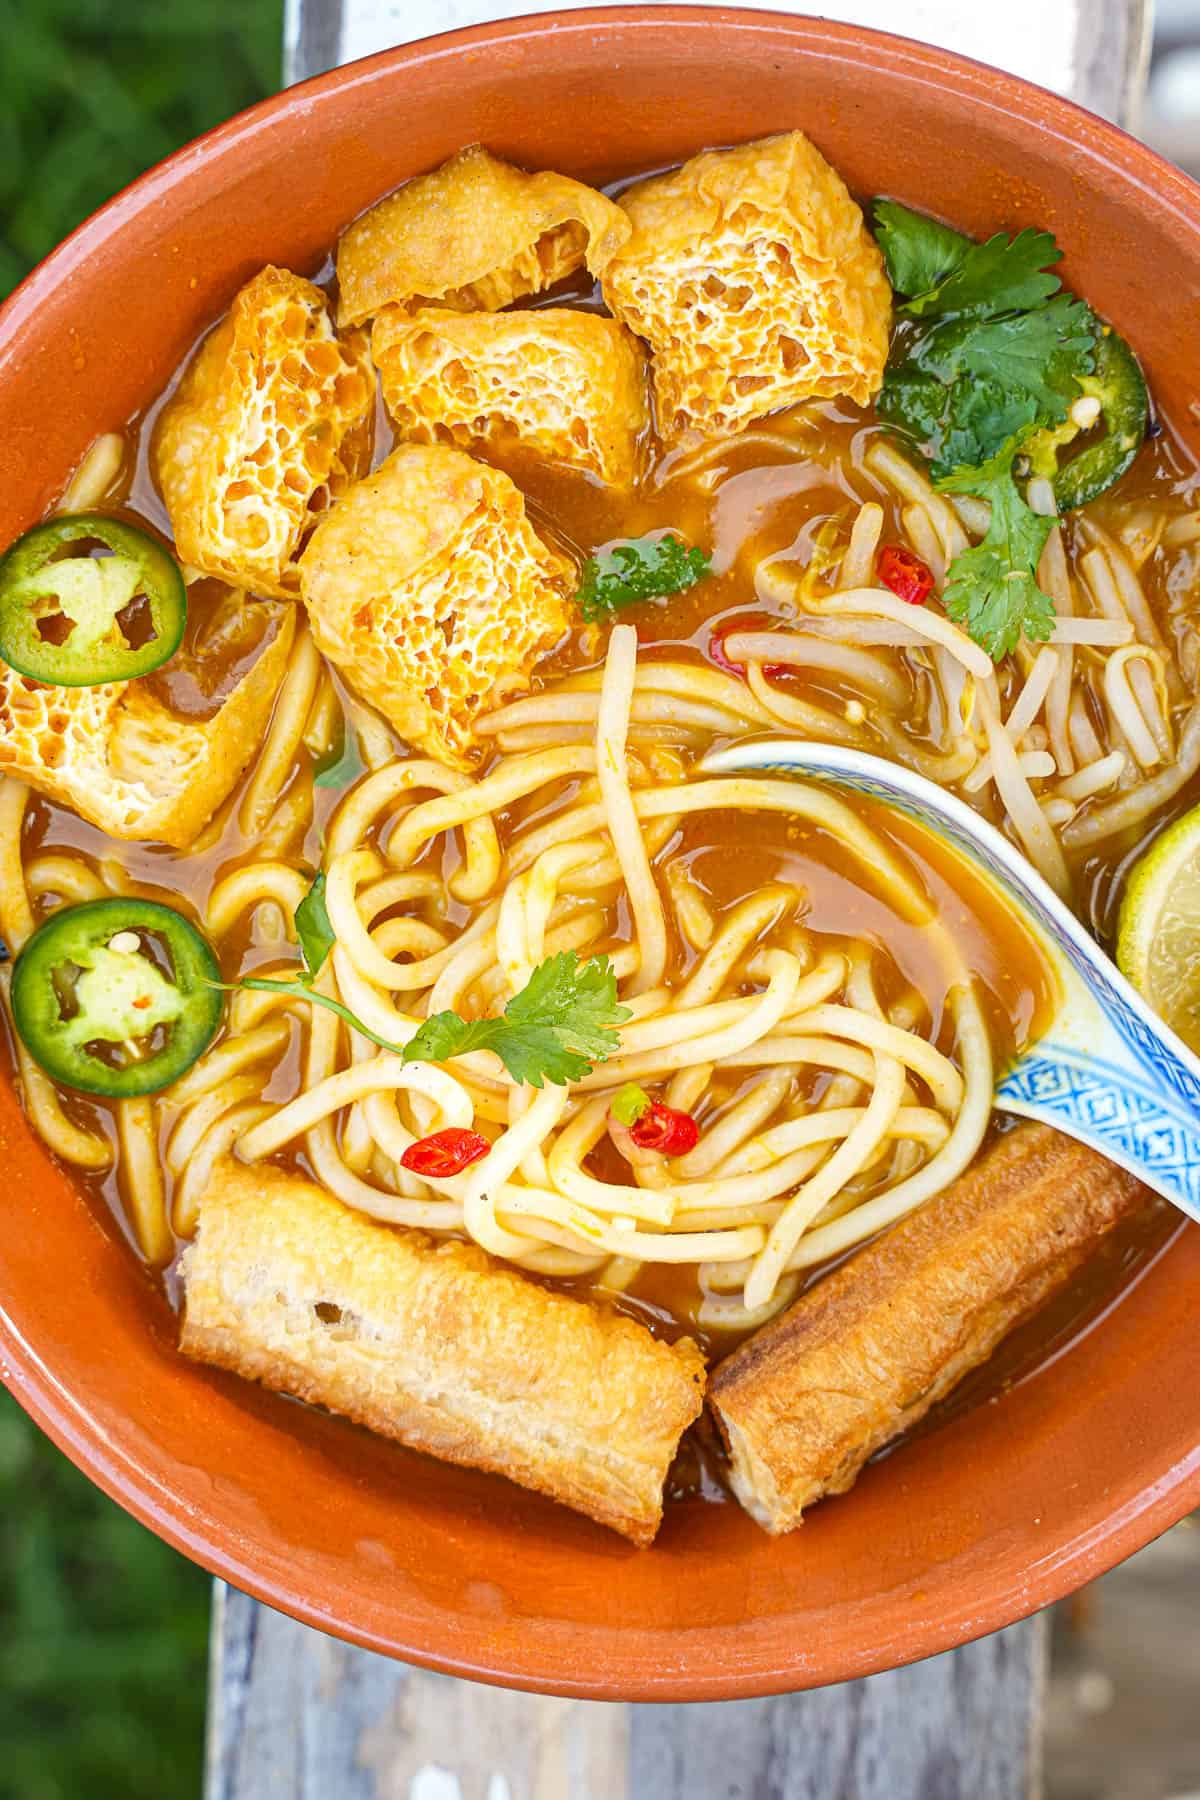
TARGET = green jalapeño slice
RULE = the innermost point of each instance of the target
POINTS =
(87, 598)
(1117, 399)
(116, 997)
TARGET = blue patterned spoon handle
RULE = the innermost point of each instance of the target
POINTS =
(1107, 1075)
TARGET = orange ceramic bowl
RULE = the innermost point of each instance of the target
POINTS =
(963, 1530)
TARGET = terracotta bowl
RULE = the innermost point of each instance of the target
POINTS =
(1007, 1506)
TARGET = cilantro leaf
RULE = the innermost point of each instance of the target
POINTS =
(1003, 275)
(962, 387)
(992, 588)
(980, 418)
(1035, 353)
(919, 251)
(555, 1029)
(634, 569)
(315, 933)
(340, 770)
(943, 274)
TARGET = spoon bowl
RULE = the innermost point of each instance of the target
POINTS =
(1105, 1069)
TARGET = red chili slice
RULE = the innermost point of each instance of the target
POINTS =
(665, 1128)
(446, 1152)
(905, 574)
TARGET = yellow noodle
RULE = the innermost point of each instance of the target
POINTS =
(809, 1199)
(277, 759)
(693, 916)
(612, 725)
(16, 914)
(74, 1143)
(142, 1187)
(96, 475)
(216, 1143)
(68, 877)
(354, 1083)
(251, 886)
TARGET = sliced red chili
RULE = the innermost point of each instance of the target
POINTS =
(665, 1128)
(446, 1152)
(905, 574)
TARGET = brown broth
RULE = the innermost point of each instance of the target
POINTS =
(769, 494)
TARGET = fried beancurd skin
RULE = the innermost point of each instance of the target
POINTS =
(864, 1354)
(271, 422)
(437, 1347)
(475, 234)
(569, 386)
(752, 276)
(430, 590)
(129, 764)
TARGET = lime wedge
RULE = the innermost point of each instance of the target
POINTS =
(1158, 934)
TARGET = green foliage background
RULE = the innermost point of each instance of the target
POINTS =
(102, 1628)
(92, 92)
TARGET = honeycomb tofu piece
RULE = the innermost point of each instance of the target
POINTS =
(430, 590)
(752, 276)
(570, 386)
(271, 422)
(125, 761)
(475, 234)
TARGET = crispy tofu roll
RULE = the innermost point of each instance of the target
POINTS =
(271, 422)
(570, 386)
(125, 760)
(475, 233)
(431, 591)
(753, 277)
(437, 1347)
(866, 1353)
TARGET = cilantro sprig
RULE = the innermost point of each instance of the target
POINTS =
(556, 1028)
(963, 387)
(993, 588)
(634, 569)
(989, 351)
(941, 272)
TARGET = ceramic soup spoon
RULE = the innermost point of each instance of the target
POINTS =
(1106, 1069)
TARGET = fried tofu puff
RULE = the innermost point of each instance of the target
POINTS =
(569, 386)
(752, 276)
(475, 234)
(437, 1346)
(430, 590)
(124, 760)
(271, 422)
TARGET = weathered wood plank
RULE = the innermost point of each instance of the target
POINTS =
(300, 1716)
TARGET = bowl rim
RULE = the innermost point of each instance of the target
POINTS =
(1167, 1493)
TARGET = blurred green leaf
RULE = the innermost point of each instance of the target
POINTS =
(103, 1636)
(92, 94)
